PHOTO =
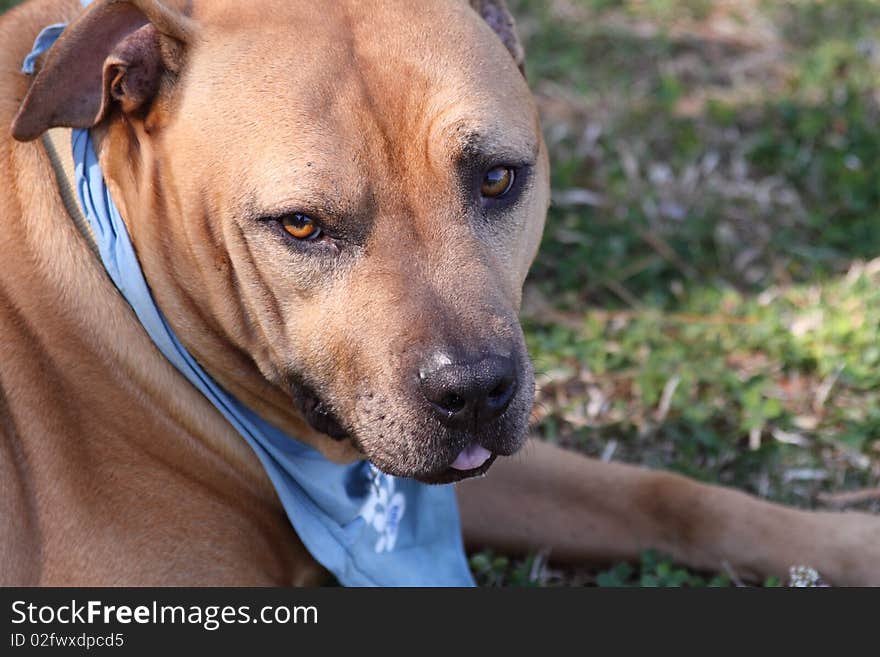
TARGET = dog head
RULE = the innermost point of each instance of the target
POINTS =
(335, 203)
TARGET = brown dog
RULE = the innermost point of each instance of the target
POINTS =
(335, 205)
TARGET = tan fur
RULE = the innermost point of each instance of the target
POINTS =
(113, 470)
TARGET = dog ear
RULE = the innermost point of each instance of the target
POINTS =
(116, 53)
(499, 18)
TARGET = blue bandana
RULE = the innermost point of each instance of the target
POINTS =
(366, 527)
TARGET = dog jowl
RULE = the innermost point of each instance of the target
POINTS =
(343, 237)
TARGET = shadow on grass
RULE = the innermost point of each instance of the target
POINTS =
(780, 190)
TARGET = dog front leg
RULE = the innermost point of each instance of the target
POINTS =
(584, 510)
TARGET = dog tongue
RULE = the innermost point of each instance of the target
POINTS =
(471, 457)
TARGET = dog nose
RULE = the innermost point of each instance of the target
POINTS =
(473, 392)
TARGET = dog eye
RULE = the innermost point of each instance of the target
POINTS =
(497, 182)
(301, 227)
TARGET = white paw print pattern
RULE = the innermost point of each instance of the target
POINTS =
(384, 510)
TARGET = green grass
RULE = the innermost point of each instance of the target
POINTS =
(712, 304)
(707, 297)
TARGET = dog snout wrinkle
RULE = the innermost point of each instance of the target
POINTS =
(469, 394)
